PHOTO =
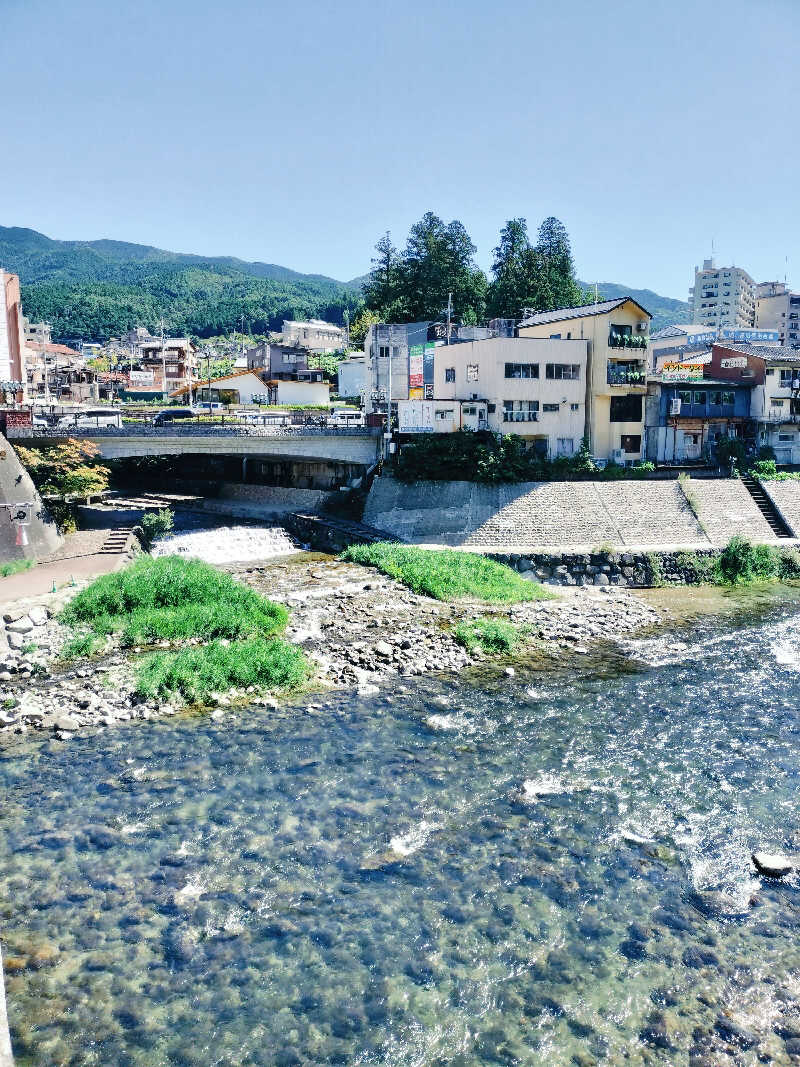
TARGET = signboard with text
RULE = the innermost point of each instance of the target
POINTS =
(414, 416)
(731, 333)
(141, 377)
(682, 372)
(415, 367)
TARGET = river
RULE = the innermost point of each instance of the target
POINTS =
(549, 869)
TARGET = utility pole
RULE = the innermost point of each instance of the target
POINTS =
(388, 437)
(449, 313)
(163, 364)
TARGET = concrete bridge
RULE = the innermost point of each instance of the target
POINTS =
(352, 445)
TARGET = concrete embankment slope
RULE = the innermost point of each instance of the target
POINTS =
(557, 515)
(16, 488)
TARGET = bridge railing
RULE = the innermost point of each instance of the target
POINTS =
(189, 429)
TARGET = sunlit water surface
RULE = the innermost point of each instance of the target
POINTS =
(553, 871)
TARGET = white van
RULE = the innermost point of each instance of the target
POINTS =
(92, 419)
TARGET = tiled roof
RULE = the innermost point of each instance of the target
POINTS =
(562, 314)
(679, 330)
(770, 353)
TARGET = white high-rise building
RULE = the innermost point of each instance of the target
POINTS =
(777, 308)
(722, 296)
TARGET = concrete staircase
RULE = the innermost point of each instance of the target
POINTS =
(766, 507)
(117, 542)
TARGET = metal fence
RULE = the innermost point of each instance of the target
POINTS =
(192, 428)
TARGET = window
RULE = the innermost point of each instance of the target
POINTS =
(626, 408)
(550, 407)
(721, 398)
(450, 374)
(469, 411)
(563, 371)
(776, 403)
(520, 410)
(565, 446)
(444, 413)
(383, 352)
(786, 378)
(786, 437)
(770, 370)
(472, 372)
(491, 408)
(685, 396)
(574, 407)
(522, 370)
(701, 397)
(631, 442)
(555, 336)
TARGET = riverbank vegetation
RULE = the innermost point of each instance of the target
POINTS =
(739, 563)
(493, 636)
(173, 599)
(16, 566)
(482, 456)
(180, 601)
(446, 574)
(196, 673)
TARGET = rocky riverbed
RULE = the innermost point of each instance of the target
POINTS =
(358, 628)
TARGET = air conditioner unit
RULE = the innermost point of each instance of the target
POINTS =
(675, 406)
(618, 456)
(642, 327)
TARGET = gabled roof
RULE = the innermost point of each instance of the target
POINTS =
(200, 382)
(769, 353)
(562, 314)
(678, 329)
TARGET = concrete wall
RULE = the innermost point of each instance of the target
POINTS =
(726, 508)
(786, 498)
(350, 449)
(16, 487)
(535, 515)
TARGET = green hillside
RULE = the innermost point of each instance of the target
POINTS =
(664, 309)
(96, 289)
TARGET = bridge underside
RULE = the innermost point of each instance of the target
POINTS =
(360, 450)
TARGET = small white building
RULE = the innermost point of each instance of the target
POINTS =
(352, 375)
(240, 387)
(314, 335)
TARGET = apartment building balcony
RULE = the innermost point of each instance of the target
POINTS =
(627, 373)
(637, 342)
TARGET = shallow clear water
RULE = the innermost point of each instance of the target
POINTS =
(555, 870)
(198, 537)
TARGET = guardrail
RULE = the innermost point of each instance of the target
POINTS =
(181, 429)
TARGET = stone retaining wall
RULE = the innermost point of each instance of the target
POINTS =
(786, 498)
(633, 569)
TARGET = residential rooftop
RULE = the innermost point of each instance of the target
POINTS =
(562, 314)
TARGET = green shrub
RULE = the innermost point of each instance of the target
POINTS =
(764, 468)
(172, 598)
(16, 566)
(81, 647)
(788, 564)
(656, 570)
(700, 568)
(490, 635)
(741, 562)
(155, 524)
(446, 574)
(196, 672)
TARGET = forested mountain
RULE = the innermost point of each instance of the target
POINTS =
(664, 309)
(97, 289)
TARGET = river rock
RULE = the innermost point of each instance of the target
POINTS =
(38, 615)
(22, 625)
(65, 723)
(772, 864)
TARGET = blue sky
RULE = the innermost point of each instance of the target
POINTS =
(297, 133)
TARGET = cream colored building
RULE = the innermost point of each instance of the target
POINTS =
(315, 335)
(722, 296)
(615, 383)
(533, 387)
(779, 309)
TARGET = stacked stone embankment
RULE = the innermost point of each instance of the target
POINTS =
(638, 570)
(533, 516)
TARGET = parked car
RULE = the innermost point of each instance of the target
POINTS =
(346, 417)
(168, 415)
(91, 419)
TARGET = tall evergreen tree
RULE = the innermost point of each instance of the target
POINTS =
(558, 283)
(438, 259)
(510, 288)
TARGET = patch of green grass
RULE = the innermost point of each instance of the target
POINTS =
(170, 599)
(81, 647)
(196, 672)
(446, 574)
(490, 635)
(741, 562)
(16, 566)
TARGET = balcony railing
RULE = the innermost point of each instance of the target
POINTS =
(622, 374)
(633, 341)
(520, 416)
